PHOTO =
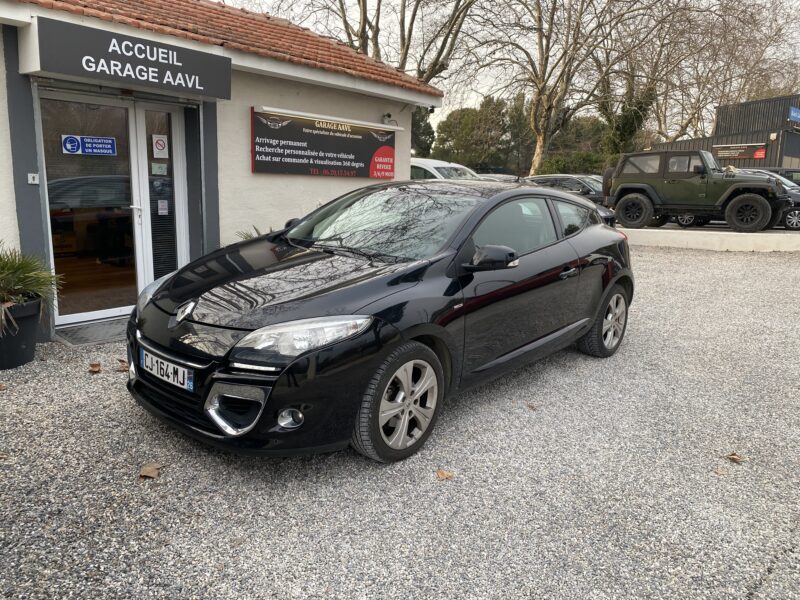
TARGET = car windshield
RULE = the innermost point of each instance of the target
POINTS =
(456, 172)
(403, 223)
(710, 160)
(593, 184)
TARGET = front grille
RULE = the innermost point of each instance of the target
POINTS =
(174, 403)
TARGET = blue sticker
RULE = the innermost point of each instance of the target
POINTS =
(89, 145)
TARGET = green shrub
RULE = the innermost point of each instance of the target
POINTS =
(23, 278)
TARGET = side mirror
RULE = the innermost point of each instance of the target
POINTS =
(291, 223)
(699, 170)
(492, 258)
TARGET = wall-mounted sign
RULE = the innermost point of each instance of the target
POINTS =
(87, 144)
(794, 114)
(294, 145)
(160, 146)
(739, 151)
(68, 49)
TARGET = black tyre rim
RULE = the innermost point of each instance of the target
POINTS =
(633, 211)
(747, 214)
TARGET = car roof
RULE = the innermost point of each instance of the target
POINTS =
(432, 162)
(483, 189)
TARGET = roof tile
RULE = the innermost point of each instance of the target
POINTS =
(254, 33)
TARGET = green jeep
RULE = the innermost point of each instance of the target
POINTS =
(647, 188)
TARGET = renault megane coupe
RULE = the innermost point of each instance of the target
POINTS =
(354, 324)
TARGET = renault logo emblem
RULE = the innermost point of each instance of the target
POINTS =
(185, 310)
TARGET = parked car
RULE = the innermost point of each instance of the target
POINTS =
(654, 186)
(791, 218)
(352, 325)
(584, 185)
(429, 168)
(495, 173)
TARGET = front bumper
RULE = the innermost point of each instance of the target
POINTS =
(326, 385)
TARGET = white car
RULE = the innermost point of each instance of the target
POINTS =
(428, 168)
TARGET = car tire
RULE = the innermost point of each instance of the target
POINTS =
(775, 219)
(634, 211)
(686, 220)
(791, 220)
(748, 213)
(608, 329)
(408, 415)
(659, 221)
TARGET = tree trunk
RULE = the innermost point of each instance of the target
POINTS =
(538, 153)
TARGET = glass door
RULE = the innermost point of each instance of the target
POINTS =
(116, 201)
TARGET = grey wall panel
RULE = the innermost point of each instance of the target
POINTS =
(211, 178)
(194, 180)
(22, 129)
(758, 115)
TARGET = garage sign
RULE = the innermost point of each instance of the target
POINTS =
(88, 52)
(293, 145)
(740, 151)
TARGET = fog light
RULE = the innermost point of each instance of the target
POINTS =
(291, 418)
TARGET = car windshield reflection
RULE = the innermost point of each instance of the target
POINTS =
(390, 225)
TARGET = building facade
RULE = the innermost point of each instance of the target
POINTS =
(135, 137)
(756, 134)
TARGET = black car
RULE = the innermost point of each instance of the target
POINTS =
(352, 325)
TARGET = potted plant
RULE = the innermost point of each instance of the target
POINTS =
(27, 286)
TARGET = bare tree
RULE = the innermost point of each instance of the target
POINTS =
(417, 36)
(733, 51)
(547, 48)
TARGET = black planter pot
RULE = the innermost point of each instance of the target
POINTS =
(17, 346)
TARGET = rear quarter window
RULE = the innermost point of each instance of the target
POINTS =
(649, 164)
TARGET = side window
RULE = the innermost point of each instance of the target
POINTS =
(574, 218)
(522, 225)
(683, 163)
(678, 164)
(419, 173)
(647, 164)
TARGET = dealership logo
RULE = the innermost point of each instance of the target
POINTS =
(382, 136)
(185, 310)
(274, 122)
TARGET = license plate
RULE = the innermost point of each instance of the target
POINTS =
(167, 371)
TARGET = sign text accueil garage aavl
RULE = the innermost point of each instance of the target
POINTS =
(95, 53)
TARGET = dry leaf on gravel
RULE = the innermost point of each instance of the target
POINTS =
(3, 387)
(443, 475)
(735, 458)
(530, 406)
(94, 368)
(150, 471)
(720, 471)
(122, 367)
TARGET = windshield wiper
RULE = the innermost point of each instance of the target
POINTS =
(382, 256)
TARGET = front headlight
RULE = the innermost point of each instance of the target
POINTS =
(282, 342)
(149, 290)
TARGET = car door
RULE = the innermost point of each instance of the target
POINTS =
(682, 186)
(516, 314)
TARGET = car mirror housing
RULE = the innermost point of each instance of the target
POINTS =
(291, 223)
(492, 258)
(699, 170)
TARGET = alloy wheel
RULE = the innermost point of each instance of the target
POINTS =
(633, 211)
(408, 404)
(614, 321)
(792, 220)
(685, 220)
(747, 214)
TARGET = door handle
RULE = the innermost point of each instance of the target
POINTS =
(567, 273)
(135, 207)
(670, 181)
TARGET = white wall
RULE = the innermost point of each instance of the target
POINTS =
(247, 198)
(9, 231)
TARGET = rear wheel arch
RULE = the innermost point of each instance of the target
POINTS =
(627, 284)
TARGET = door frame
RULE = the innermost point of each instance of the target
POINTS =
(140, 193)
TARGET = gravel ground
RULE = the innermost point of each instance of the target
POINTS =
(573, 478)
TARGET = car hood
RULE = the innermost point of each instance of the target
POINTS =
(256, 283)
